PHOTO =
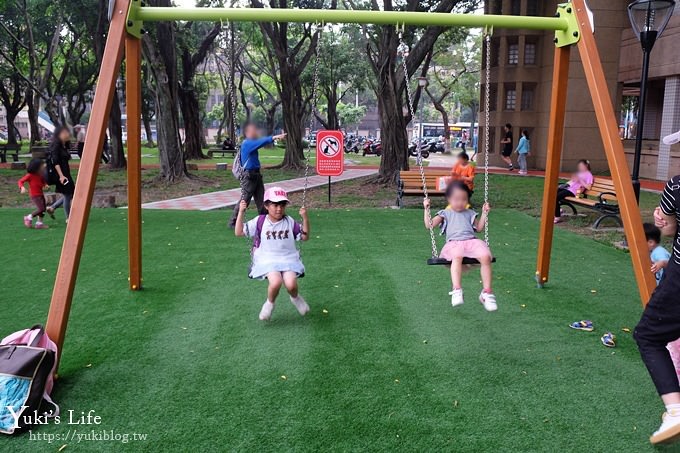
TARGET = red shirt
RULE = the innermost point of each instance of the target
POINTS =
(35, 184)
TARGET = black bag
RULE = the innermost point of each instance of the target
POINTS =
(24, 371)
(51, 175)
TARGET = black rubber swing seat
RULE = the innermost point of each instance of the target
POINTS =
(445, 262)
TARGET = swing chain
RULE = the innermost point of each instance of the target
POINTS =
(315, 87)
(232, 97)
(402, 51)
(487, 94)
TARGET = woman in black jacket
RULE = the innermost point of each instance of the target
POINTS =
(58, 151)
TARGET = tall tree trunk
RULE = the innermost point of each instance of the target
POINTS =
(160, 53)
(146, 121)
(116, 135)
(11, 115)
(33, 103)
(270, 118)
(162, 63)
(293, 113)
(193, 129)
(392, 132)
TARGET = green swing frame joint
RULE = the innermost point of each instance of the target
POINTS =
(572, 34)
(133, 24)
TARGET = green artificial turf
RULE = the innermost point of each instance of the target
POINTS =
(381, 363)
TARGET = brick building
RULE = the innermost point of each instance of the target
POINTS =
(521, 80)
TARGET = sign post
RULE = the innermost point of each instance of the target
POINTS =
(330, 159)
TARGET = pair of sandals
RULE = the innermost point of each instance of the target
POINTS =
(608, 339)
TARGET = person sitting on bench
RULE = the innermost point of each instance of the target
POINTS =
(580, 181)
(228, 144)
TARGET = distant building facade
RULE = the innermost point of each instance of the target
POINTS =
(521, 82)
(662, 115)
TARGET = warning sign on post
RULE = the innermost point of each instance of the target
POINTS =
(330, 159)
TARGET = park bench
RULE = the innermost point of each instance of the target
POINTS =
(601, 198)
(222, 152)
(12, 150)
(410, 183)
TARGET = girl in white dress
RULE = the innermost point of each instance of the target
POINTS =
(275, 256)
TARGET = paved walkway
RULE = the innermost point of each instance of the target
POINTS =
(217, 200)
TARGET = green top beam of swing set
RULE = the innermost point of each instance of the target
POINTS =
(322, 16)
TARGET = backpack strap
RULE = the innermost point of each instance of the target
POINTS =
(38, 336)
(297, 229)
(257, 239)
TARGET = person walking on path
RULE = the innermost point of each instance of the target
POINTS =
(507, 143)
(523, 151)
(58, 152)
(80, 139)
(252, 184)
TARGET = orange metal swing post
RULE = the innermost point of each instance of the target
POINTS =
(609, 130)
(133, 92)
(558, 108)
(74, 238)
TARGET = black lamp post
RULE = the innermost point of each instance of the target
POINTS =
(649, 19)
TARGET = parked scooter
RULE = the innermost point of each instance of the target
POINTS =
(372, 148)
(424, 149)
(352, 145)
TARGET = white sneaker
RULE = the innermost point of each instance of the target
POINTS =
(669, 431)
(456, 297)
(489, 301)
(300, 304)
(266, 312)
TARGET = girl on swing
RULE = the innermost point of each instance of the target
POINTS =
(461, 226)
(275, 256)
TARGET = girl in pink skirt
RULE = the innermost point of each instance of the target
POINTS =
(461, 226)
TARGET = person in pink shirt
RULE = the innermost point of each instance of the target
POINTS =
(580, 181)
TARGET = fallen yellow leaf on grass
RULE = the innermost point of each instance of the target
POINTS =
(396, 381)
(593, 291)
(89, 365)
(62, 447)
(523, 306)
(625, 329)
(184, 328)
(324, 311)
(43, 270)
(283, 377)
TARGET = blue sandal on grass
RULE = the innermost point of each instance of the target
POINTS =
(582, 325)
(609, 340)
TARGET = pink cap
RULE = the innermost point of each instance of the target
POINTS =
(275, 195)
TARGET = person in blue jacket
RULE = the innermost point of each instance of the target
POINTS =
(252, 183)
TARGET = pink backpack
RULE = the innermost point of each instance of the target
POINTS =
(35, 339)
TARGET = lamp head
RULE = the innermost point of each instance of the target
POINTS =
(649, 18)
(422, 82)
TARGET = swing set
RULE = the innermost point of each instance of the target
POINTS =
(573, 26)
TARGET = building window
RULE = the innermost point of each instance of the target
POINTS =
(510, 97)
(513, 53)
(516, 7)
(532, 8)
(530, 53)
(528, 91)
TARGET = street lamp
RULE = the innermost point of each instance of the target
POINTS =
(422, 83)
(649, 19)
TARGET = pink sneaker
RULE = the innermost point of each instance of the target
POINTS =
(28, 222)
(41, 226)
